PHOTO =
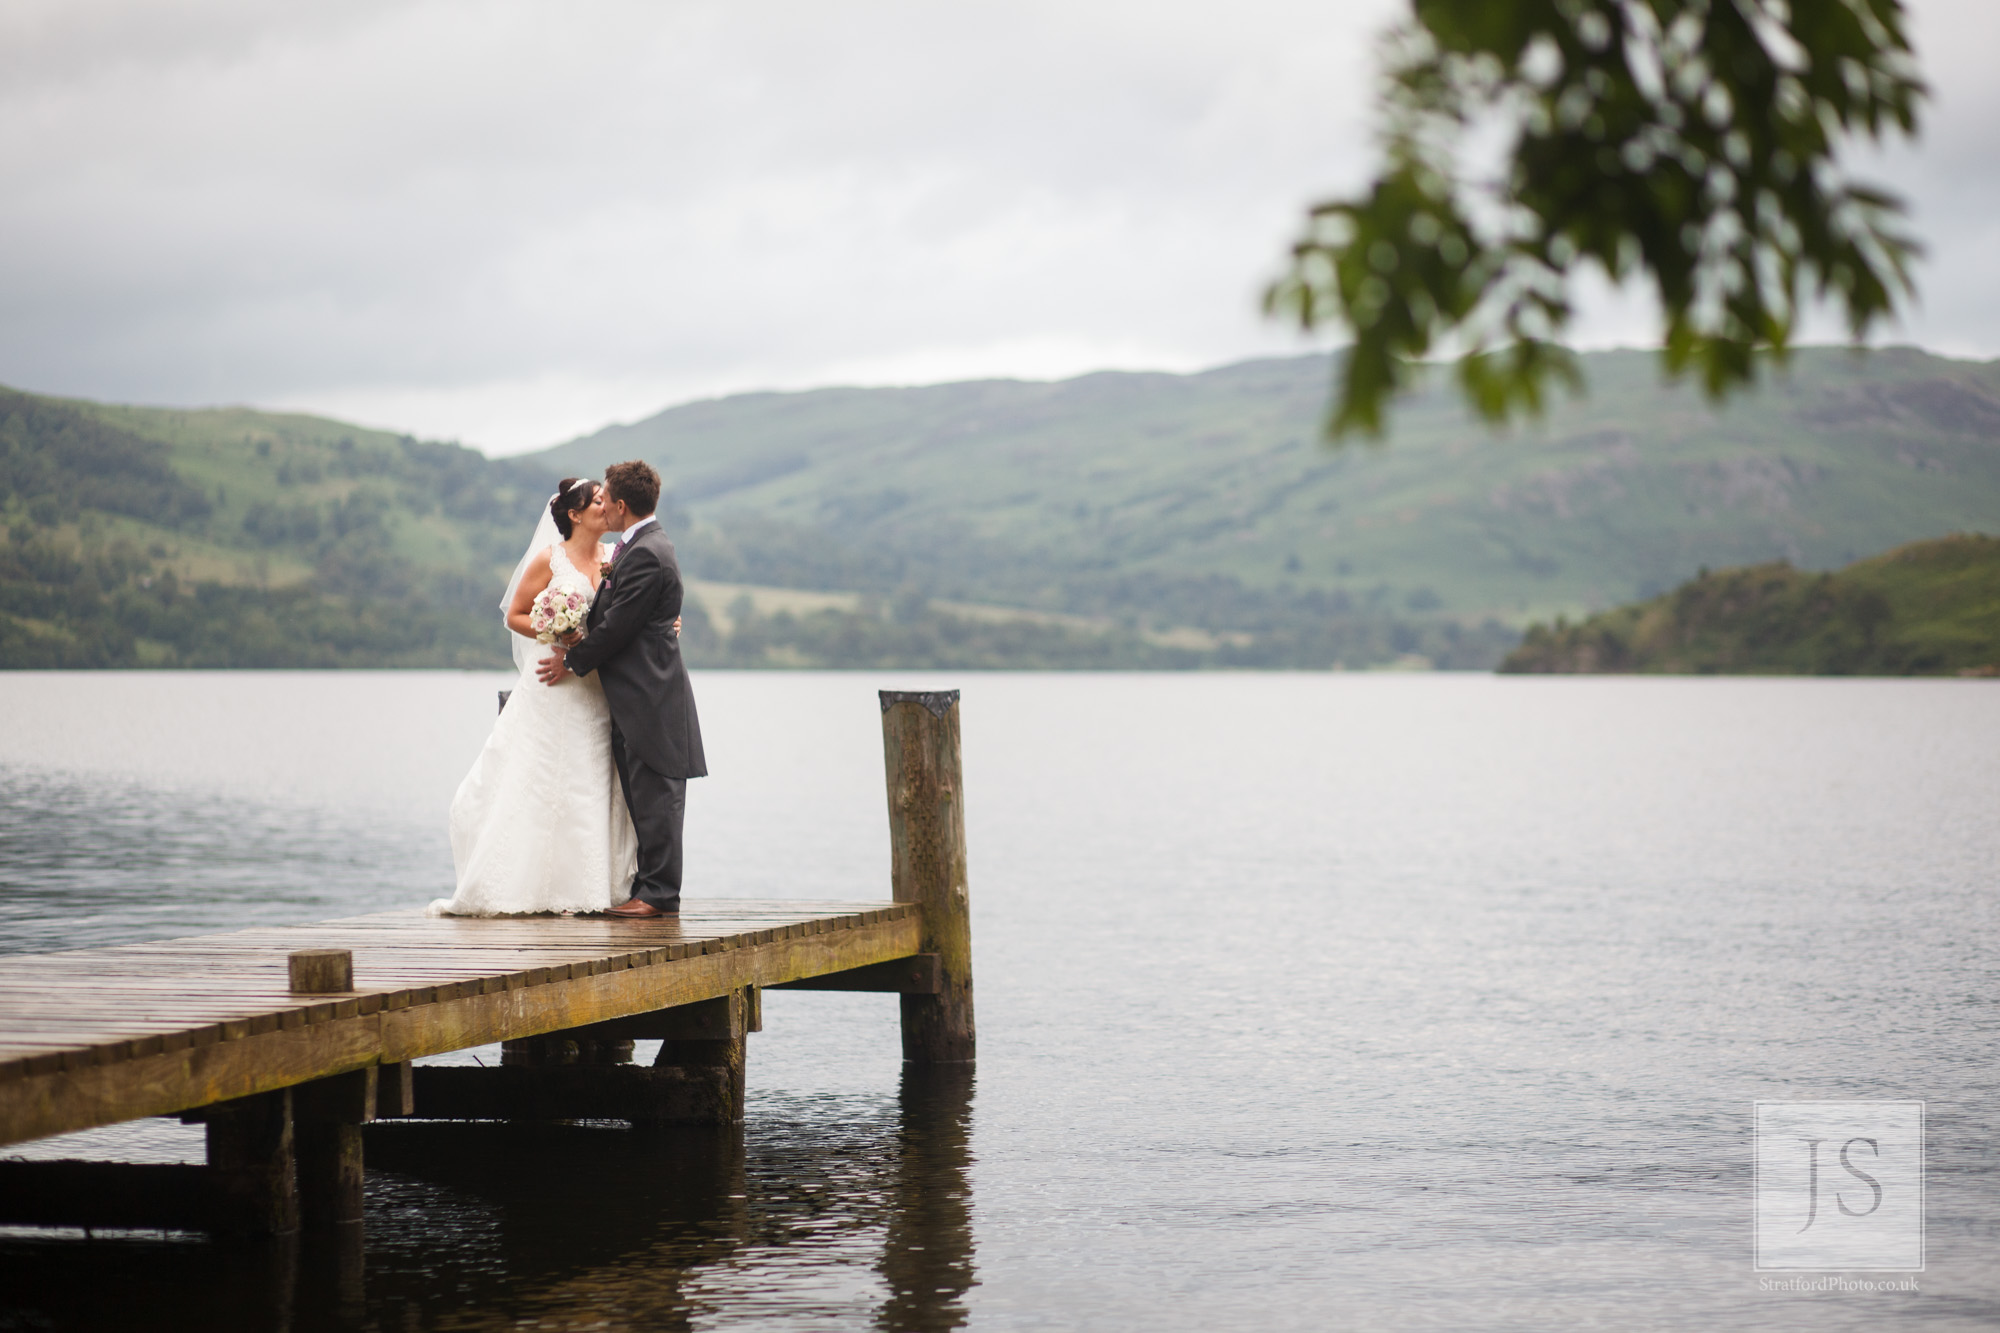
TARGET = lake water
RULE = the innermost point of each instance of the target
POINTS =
(1305, 1001)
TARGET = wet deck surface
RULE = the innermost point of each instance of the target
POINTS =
(94, 1036)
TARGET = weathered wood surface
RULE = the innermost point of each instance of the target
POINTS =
(327, 1116)
(919, 974)
(97, 1036)
(926, 781)
(322, 971)
(250, 1165)
(713, 1044)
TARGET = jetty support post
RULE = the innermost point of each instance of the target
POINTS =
(586, 1073)
(926, 784)
(328, 1114)
(709, 1041)
(250, 1161)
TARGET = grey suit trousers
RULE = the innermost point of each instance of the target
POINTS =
(658, 804)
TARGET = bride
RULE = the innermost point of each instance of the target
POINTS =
(539, 824)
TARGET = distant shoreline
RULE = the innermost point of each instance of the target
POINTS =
(1926, 609)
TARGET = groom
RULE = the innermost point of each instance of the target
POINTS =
(629, 639)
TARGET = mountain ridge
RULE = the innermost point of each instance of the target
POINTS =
(1140, 519)
(1055, 486)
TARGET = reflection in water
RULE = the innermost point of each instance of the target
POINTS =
(490, 1225)
(567, 1224)
(927, 1259)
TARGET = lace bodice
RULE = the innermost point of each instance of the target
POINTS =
(564, 574)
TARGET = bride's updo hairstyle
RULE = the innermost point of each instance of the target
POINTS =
(575, 493)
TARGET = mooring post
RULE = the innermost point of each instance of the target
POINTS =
(920, 753)
(321, 971)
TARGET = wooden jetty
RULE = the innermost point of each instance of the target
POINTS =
(285, 1040)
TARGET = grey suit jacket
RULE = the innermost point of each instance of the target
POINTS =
(629, 641)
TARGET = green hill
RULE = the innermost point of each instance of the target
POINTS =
(1927, 609)
(234, 538)
(1141, 520)
(152, 537)
(1207, 499)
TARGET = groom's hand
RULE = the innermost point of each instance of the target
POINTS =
(553, 670)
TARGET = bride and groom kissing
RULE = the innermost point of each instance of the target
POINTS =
(575, 803)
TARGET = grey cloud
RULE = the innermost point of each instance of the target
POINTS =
(418, 206)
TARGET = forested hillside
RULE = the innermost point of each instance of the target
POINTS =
(1926, 609)
(147, 537)
(1208, 499)
(1130, 520)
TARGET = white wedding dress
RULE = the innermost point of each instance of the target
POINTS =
(540, 824)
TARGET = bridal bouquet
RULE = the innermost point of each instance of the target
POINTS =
(557, 612)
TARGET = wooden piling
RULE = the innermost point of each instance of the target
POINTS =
(920, 753)
(395, 1090)
(250, 1161)
(328, 1114)
(712, 1037)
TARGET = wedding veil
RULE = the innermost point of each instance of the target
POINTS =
(527, 652)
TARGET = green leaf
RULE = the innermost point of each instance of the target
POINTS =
(1691, 145)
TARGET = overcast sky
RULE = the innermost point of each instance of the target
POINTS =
(509, 223)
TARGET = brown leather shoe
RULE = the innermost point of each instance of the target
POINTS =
(635, 910)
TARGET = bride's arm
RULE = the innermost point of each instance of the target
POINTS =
(533, 579)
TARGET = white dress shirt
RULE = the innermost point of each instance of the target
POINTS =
(626, 535)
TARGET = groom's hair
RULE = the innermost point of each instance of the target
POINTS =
(636, 484)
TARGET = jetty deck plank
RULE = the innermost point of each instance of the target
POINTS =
(95, 1036)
